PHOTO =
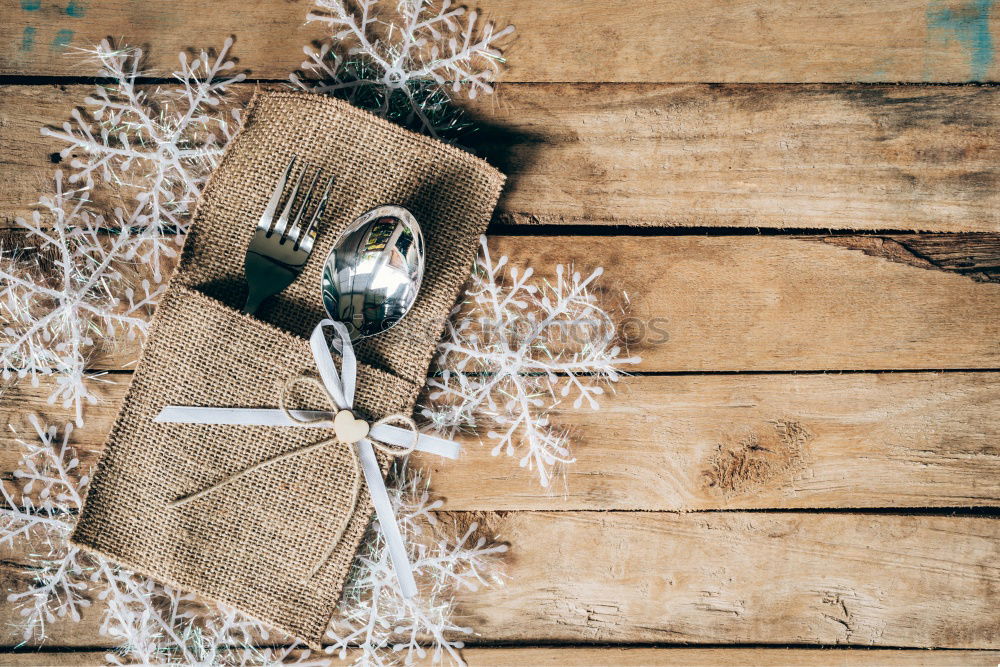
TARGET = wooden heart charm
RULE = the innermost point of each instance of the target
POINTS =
(349, 430)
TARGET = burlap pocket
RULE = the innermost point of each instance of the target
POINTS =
(252, 544)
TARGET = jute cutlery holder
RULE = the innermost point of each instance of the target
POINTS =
(252, 544)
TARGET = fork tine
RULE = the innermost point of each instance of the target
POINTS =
(318, 213)
(267, 217)
(293, 232)
(279, 228)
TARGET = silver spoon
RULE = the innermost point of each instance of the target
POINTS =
(372, 274)
(370, 280)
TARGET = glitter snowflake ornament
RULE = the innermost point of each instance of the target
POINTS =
(155, 145)
(515, 351)
(404, 65)
(39, 513)
(67, 288)
(160, 625)
(90, 263)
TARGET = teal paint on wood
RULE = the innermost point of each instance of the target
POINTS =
(968, 23)
(75, 9)
(31, 5)
(28, 38)
(62, 40)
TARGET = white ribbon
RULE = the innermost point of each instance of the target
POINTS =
(340, 386)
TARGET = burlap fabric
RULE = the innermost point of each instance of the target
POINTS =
(251, 544)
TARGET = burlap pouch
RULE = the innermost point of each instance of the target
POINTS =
(253, 544)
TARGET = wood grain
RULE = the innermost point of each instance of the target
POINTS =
(707, 578)
(777, 303)
(716, 657)
(769, 303)
(671, 40)
(816, 157)
(731, 578)
(631, 657)
(703, 442)
(974, 255)
(822, 157)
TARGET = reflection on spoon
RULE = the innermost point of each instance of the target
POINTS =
(372, 275)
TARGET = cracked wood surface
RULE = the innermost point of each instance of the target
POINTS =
(670, 40)
(974, 255)
(708, 578)
(634, 657)
(703, 442)
(766, 156)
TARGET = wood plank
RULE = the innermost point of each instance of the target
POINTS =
(730, 657)
(817, 157)
(780, 304)
(733, 578)
(44, 658)
(709, 578)
(671, 40)
(770, 303)
(704, 442)
(29, 158)
(630, 657)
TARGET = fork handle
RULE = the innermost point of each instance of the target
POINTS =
(265, 278)
(254, 299)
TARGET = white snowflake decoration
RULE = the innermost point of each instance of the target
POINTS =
(74, 290)
(158, 625)
(516, 352)
(47, 471)
(403, 66)
(69, 287)
(157, 145)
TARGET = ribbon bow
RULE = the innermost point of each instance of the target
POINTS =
(349, 431)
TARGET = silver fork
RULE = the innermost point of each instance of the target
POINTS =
(276, 256)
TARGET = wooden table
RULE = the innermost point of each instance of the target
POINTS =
(807, 472)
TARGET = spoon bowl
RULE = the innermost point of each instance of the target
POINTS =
(372, 274)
